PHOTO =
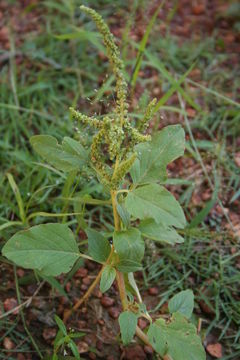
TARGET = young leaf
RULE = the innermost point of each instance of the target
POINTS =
(153, 157)
(107, 278)
(69, 156)
(61, 325)
(157, 232)
(182, 302)
(98, 246)
(128, 323)
(154, 201)
(49, 248)
(129, 244)
(178, 339)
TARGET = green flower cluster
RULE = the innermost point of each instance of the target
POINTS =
(112, 150)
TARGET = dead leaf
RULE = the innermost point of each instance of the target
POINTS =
(215, 350)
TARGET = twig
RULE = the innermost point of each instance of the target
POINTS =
(83, 298)
(25, 303)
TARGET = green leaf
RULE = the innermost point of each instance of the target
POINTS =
(182, 302)
(74, 349)
(69, 156)
(154, 201)
(98, 246)
(127, 265)
(178, 339)
(107, 278)
(157, 232)
(128, 323)
(58, 339)
(153, 157)
(61, 325)
(129, 244)
(49, 248)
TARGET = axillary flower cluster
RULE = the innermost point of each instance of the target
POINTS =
(112, 149)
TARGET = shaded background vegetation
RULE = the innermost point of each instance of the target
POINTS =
(51, 58)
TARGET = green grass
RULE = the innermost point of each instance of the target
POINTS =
(205, 264)
(61, 67)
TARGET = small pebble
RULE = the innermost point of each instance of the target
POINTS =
(10, 304)
(107, 301)
(82, 272)
(86, 281)
(114, 312)
(83, 287)
(153, 291)
(8, 344)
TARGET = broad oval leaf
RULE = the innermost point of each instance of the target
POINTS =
(98, 246)
(153, 157)
(69, 156)
(129, 244)
(177, 338)
(128, 323)
(49, 248)
(157, 232)
(154, 201)
(182, 302)
(107, 278)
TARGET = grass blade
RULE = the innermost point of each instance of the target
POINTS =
(18, 197)
(173, 88)
(156, 63)
(143, 44)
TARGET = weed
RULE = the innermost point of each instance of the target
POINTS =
(129, 165)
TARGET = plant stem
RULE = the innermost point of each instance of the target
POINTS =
(122, 289)
(119, 275)
(88, 292)
(115, 213)
(84, 297)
